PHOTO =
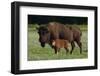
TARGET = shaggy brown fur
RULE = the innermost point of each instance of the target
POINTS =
(55, 30)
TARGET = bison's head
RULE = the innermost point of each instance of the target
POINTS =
(44, 35)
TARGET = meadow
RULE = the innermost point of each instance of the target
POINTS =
(36, 52)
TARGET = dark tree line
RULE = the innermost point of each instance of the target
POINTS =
(42, 19)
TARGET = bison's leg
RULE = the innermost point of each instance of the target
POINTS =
(73, 45)
(80, 46)
(66, 50)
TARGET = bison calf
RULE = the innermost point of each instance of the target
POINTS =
(60, 43)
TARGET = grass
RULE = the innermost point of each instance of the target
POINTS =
(36, 52)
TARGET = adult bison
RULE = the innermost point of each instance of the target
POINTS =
(55, 30)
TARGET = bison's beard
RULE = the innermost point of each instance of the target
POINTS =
(43, 44)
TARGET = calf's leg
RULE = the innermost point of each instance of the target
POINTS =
(58, 49)
(66, 50)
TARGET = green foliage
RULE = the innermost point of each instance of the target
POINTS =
(32, 27)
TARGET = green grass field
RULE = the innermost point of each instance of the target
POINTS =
(36, 52)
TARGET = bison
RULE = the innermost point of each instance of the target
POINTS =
(55, 30)
(60, 43)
